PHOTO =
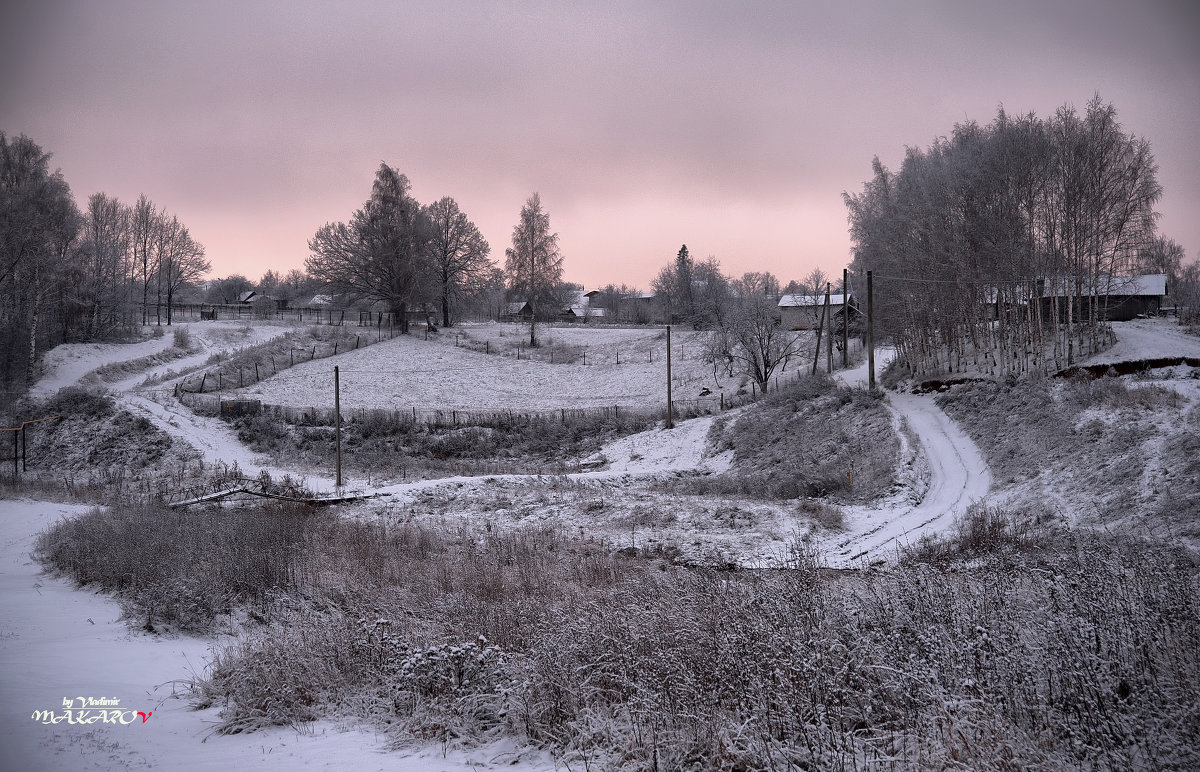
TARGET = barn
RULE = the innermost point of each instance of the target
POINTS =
(803, 312)
(1121, 298)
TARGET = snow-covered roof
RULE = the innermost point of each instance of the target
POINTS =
(321, 300)
(807, 301)
(1151, 284)
(582, 311)
(1146, 284)
(247, 296)
(515, 307)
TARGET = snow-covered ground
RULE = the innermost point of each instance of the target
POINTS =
(58, 643)
(1147, 339)
(941, 478)
(408, 372)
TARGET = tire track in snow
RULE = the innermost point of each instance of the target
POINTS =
(958, 477)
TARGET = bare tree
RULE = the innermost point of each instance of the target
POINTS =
(754, 283)
(460, 254)
(105, 248)
(750, 340)
(382, 253)
(534, 264)
(181, 260)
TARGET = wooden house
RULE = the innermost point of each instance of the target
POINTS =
(803, 312)
(1119, 298)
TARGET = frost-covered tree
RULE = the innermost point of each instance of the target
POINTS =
(534, 263)
(459, 254)
(382, 253)
(751, 341)
(39, 223)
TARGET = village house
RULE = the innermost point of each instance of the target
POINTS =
(803, 312)
(1119, 298)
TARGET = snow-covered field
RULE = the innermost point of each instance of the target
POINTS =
(57, 643)
(625, 367)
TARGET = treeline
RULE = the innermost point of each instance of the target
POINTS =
(67, 274)
(406, 256)
(1000, 244)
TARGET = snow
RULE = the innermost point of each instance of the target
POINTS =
(958, 478)
(1147, 339)
(58, 642)
(408, 372)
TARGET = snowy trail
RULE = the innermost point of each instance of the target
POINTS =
(958, 477)
(212, 437)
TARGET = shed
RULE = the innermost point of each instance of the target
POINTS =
(803, 312)
(517, 311)
(1120, 298)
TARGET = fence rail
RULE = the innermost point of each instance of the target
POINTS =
(210, 404)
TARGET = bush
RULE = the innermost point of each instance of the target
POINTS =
(179, 568)
(78, 401)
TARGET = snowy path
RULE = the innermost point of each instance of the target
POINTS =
(212, 437)
(58, 642)
(958, 477)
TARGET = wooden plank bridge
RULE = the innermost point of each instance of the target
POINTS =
(246, 486)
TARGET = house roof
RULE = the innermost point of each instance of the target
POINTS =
(247, 296)
(582, 311)
(1151, 285)
(515, 307)
(809, 301)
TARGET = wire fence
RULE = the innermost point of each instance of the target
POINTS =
(232, 406)
(252, 366)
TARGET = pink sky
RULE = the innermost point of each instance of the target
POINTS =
(733, 128)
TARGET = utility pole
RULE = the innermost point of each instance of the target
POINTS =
(870, 331)
(670, 407)
(829, 342)
(845, 318)
(820, 329)
(337, 424)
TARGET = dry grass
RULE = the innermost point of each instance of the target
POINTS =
(809, 440)
(1081, 652)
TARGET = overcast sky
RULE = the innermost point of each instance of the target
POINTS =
(732, 127)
